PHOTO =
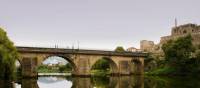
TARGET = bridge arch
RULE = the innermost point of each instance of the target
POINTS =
(66, 57)
(112, 64)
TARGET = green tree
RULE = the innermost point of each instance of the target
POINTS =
(66, 67)
(101, 64)
(178, 53)
(8, 56)
(119, 49)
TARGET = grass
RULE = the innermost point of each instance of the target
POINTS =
(100, 72)
(162, 71)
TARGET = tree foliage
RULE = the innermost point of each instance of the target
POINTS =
(119, 49)
(55, 69)
(179, 54)
(8, 56)
(67, 67)
(101, 64)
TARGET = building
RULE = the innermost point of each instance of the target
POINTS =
(184, 30)
(146, 45)
(133, 49)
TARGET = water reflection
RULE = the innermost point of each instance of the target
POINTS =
(29, 83)
(105, 82)
(53, 82)
(172, 82)
(78, 82)
(6, 84)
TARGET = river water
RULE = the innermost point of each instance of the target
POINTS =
(105, 82)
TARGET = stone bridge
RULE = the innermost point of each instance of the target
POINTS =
(121, 63)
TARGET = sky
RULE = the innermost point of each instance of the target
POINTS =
(93, 24)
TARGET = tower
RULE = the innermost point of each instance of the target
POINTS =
(175, 22)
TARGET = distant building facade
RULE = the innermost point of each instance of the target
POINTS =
(133, 49)
(146, 45)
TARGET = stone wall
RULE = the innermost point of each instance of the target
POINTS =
(185, 29)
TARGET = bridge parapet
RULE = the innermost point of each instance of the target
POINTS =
(79, 51)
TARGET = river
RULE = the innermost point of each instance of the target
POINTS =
(105, 82)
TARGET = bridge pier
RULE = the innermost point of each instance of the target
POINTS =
(29, 67)
(124, 68)
(82, 72)
(82, 67)
(138, 67)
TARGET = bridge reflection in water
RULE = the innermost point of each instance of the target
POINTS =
(106, 82)
(78, 82)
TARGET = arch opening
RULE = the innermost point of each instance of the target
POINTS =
(18, 63)
(104, 66)
(18, 69)
(56, 64)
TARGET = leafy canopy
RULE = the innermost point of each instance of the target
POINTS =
(102, 64)
(178, 53)
(8, 55)
(119, 49)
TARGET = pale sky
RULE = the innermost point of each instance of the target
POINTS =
(96, 24)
